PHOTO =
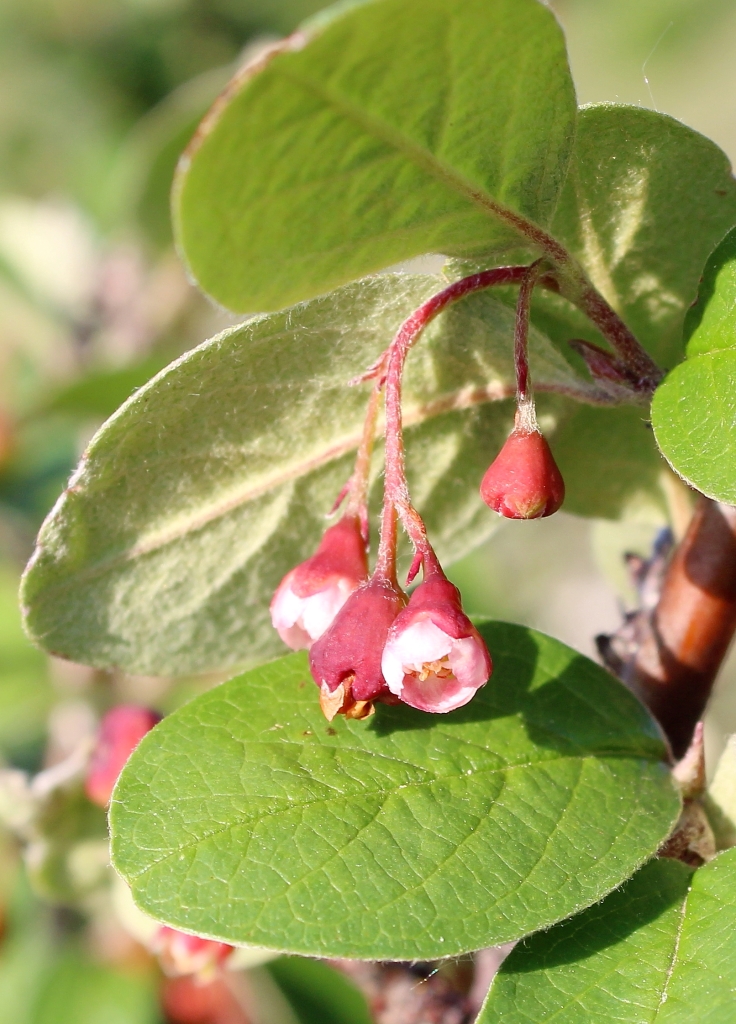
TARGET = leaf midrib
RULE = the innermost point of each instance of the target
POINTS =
(428, 161)
(454, 401)
(326, 800)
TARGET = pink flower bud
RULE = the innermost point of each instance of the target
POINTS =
(188, 954)
(435, 659)
(310, 596)
(523, 481)
(121, 730)
(346, 660)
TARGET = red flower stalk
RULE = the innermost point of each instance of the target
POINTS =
(346, 661)
(523, 481)
(121, 730)
(310, 596)
(435, 659)
(181, 953)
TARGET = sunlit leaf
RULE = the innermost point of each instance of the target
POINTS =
(246, 817)
(214, 480)
(391, 129)
(662, 948)
(694, 410)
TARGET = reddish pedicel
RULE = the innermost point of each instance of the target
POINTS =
(523, 481)
(120, 732)
(310, 596)
(346, 660)
(435, 659)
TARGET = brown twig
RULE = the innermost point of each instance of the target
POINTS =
(399, 993)
(670, 655)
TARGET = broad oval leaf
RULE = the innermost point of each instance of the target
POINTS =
(660, 950)
(694, 411)
(244, 816)
(386, 130)
(710, 325)
(694, 420)
(645, 202)
(214, 480)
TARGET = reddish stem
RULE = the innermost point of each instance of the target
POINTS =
(396, 492)
(646, 372)
(692, 624)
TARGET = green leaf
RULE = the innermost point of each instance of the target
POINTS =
(383, 131)
(318, 994)
(645, 202)
(99, 393)
(244, 816)
(214, 480)
(710, 324)
(25, 689)
(609, 461)
(80, 991)
(661, 949)
(694, 410)
(694, 420)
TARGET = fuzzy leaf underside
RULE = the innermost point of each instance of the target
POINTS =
(214, 479)
(645, 202)
(660, 950)
(245, 816)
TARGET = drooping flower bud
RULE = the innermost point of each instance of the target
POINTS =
(310, 596)
(346, 660)
(523, 481)
(181, 953)
(121, 730)
(435, 659)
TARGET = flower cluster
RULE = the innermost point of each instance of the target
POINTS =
(367, 640)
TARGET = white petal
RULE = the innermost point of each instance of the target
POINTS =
(468, 663)
(320, 609)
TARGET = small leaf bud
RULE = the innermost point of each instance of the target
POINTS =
(435, 659)
(310, 596)
(346, 660)
(523, 481)
(121, 730)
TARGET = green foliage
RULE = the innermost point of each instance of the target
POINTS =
(318, 994)
(660, 949)
(79, 991)
(645, 202)
(362, 149)
(246, 817)
(25, 693)
(694, 410)
(255, 432)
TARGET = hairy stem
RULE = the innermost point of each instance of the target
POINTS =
(692, 625)
(526, 418)
(389, 370)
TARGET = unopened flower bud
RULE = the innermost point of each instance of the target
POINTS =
(180, 953)
(435, 659)
(121, 730)
(523, 481)
(346, 661)
(310, 596)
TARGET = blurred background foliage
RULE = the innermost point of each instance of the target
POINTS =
(97, 99)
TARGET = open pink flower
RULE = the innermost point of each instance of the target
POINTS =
(310, 596)
(346, 660)
(181, 953)
(121, 730)
(435, 659)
